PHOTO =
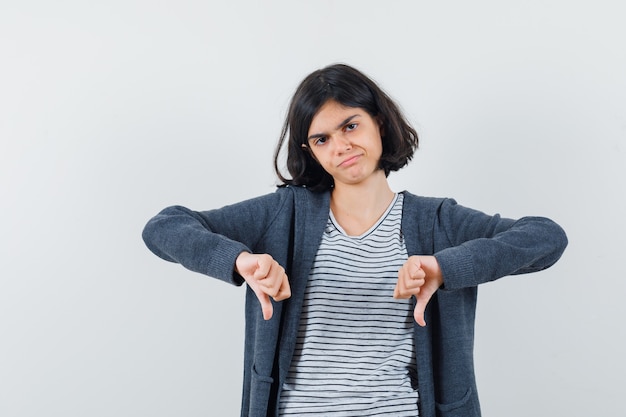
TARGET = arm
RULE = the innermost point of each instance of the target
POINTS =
(474, 248)
(209, 242)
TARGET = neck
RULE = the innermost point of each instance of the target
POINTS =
(358, 206)
(363, 194)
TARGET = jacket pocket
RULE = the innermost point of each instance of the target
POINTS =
(259, 393)
(464, 407)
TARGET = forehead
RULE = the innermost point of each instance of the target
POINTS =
(333, 113)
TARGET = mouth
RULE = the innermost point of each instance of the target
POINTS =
(349, 161)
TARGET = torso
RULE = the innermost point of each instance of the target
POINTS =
(355, 347)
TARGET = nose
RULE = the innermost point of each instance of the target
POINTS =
(342, 143)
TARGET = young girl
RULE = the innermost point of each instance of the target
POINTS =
(360, 300)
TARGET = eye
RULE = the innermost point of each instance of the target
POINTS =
(320, 141)
(350, 126)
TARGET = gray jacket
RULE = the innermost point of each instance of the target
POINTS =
(470, 246)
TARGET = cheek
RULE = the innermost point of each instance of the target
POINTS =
(318, 160)
(379, 146)
(314, 157)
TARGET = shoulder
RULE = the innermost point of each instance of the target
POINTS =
(303, 196)
(276, 199)
(427, 211)
(421, 203)
(283, 198)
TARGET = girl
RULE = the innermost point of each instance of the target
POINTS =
(360, 300)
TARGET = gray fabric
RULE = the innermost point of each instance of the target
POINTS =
(470, 246)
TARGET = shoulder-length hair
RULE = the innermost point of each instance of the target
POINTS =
(351, 88)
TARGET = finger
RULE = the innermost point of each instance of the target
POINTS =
(409, 283)
(263, 267)
(413, 266)
(418, 312)
(416, 272)
(406, 291)
(414, 283)
(284, 291)
(399, 290)
(266, 305)
(422, 300)
(273, 283)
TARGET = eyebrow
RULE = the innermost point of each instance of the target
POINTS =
(339, 126)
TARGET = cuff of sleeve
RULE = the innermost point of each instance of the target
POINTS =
(223, 264)
(457, 268)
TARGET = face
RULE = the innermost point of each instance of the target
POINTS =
(346, 141)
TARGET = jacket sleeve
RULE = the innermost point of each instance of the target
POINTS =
(209, 242)
(475, 248)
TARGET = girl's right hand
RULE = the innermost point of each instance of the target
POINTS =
(266, 278)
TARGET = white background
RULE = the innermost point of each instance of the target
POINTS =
(110, 111)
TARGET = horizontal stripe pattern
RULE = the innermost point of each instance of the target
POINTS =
(354, 352)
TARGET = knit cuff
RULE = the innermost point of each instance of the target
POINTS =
(457, 268)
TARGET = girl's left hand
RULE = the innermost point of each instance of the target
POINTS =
(420, 276)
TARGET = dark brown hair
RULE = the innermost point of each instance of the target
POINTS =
(349, 87)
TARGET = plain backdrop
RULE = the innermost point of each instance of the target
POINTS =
(112, 110)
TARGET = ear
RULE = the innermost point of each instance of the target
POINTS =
(381, 126)
(309, 151)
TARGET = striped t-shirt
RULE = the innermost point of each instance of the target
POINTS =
(354, 353)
